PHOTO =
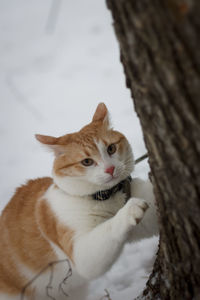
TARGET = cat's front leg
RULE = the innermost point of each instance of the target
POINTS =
(149, 224)
(95, 251)
(131, 214)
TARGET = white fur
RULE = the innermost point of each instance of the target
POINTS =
(123, 165)
(102, 228)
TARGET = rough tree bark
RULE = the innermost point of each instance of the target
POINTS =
(160, 44)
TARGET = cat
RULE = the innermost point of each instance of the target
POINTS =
(59, 233)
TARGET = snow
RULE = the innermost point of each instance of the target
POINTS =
(127, 278)
(58, 60)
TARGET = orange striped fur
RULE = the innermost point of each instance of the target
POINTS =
(21, 238)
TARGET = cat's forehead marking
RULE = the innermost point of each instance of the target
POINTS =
(101, 148)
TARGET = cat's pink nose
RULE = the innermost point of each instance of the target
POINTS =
(110, 170)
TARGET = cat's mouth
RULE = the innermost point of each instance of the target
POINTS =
(112, 181)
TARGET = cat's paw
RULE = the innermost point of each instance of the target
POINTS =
(128, 216)
(136, 208)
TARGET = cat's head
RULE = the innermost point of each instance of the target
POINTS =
(92, 159)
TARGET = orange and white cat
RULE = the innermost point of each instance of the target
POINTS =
(59, 233)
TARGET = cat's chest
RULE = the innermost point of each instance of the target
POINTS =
(82, 214)
(108, 208)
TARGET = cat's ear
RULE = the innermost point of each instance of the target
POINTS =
(101, 114)
(50, 143)
(46, 139)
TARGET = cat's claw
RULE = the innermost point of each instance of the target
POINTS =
(136, 209)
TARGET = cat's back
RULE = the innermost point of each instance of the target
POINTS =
(19, 213)
(18, 230)
(26, 196)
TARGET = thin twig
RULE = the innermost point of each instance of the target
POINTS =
(49, 285)
(21, 99)
(106, 296)
(53, 16)
(69, 274)
(141, 158)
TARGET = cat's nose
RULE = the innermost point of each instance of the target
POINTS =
(110, 170)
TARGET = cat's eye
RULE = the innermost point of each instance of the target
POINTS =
(111, 149)
(87, 162)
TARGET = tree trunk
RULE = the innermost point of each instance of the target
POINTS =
(160, 44)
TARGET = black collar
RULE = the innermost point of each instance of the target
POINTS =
(123, 185)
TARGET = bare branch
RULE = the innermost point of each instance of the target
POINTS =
(21, 99)
(53, 16)
(49, 285)
(106, 296)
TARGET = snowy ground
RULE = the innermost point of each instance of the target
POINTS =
(58, 60)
